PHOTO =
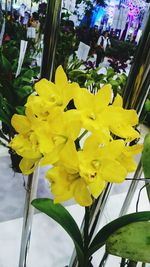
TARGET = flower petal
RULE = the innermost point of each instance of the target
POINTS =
(60, 77)
(21, 124)
(118, 101)
(97, 187)
(103, 97)
(27, 166)
(81, 193)
(112, 171)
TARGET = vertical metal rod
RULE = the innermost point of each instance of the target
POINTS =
(31, 192)
(131, 190)
(6, 7)
(50, 38)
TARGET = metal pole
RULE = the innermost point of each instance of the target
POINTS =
(11, 7)
(138, 83)
(6, 7)
(131, 190)
(31, 192)
(50, 38)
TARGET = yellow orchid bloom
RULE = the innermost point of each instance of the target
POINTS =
(90, 106)
(48, 133)
(96, 113)
(83, 174)
(58, 94)
(127, 158)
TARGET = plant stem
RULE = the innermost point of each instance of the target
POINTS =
(132, 264)
(3, 136)
(143, 264)
(103, 260)
(123, 262)
(86, 236)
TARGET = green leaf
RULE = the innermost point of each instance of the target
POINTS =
(145, 160)
(5, 65)
(28, 74)
(103, 235)
(20, 110)
(110, 73)
(131, 242)
(24, 91)
(58, 213)
(147, 105)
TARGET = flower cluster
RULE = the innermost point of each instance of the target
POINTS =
(86, 144)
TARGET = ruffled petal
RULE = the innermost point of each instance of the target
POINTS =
(60, 77)
(118, 101)
(103, 97)
(27, 166)
(81, 193)
(112, 171)
(97, 187)
(21, 124)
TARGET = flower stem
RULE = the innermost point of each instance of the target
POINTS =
(132, 264)
(123, 262)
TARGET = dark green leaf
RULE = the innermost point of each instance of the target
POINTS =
(20, 110)
(28, 74)
(145, 160)
(147, 105)
(131, 242)
(24, 91)
(103, 235)
(58, 213)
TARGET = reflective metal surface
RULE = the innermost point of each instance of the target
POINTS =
(31, 192)
(138, 83)
(131, 190)
(50, 38)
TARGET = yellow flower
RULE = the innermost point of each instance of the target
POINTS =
(48, 132)
(90, 106)
(127, 156)
(121, 121)
(58, 94)
(97, 114)
(82, 175)
(43, 138)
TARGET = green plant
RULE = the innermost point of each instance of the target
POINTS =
(93, 80)
(116, 235)
(13, 90)
(120, 50)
